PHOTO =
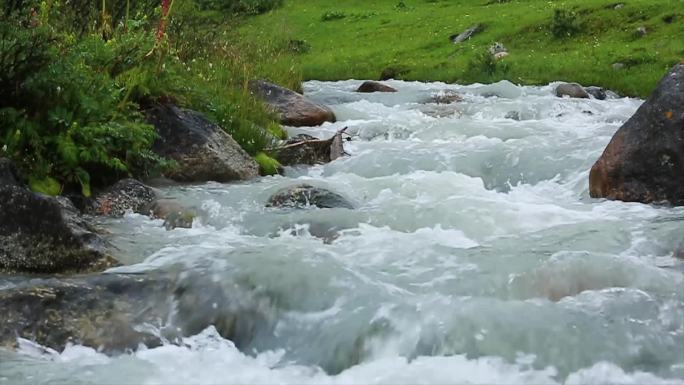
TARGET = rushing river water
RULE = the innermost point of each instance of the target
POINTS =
(475, 254)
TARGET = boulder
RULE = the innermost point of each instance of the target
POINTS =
(644, 161)
(371, 86)
(174, 214)
(113, 312)
(124, 195)
(294, 109)
(597, 92)
(572, 90)
(9, 174)
(41, 234)
(304, 195)
(204, 152)
(305, 149)
(467, 34)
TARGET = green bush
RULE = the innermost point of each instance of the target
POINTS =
(243, 7)
(67, 116)
(564, 24)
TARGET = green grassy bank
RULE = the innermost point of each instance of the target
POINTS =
(335, 40)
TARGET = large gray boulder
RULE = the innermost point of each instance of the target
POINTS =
(293, 109)
(42, 234)
(304, 195)
(112, 312)
(644, 161)
(204, 152)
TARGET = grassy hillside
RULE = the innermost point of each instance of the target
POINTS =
(341, 39)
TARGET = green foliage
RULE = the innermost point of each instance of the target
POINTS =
(483, 63)
(76, 79)
(46, 185)
(564, 24)
(267, 165)
(241, 7)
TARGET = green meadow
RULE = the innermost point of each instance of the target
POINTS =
(576, 41)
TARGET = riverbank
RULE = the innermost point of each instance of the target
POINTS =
(623, 46)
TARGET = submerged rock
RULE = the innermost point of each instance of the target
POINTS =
(446, 97)
(644, 161)
(118, 312)
(371, 86)
(572, 90)
(204, 152)
(174, 214)
(42, 234)
(305, 149)
(302, 196)
(293, 108)
(124, 195)
(597, 92)
(467, 34)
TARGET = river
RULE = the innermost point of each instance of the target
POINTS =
(474, 255)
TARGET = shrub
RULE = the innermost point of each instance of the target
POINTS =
(564, 24)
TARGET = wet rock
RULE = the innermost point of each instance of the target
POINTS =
(118, 312)
(9, 175)
(513, 115)
(203, 151)
(597, 92)
(446, 97)
(572, 90)
(174, 214)
(467, 34)
(41, 234)
(304, 195)
(293, 108)
(643, 161)
(124, 195)
(371, 86)
(305, 149)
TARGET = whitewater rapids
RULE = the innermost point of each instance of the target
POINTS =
(475, 255)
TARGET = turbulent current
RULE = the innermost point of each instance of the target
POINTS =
(474, 255)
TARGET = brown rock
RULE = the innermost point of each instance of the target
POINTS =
(371, 86)
(644, 162)
(294, 109)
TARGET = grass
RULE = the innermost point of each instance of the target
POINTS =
(414, 35)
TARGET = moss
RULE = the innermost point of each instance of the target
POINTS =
(267, 165)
